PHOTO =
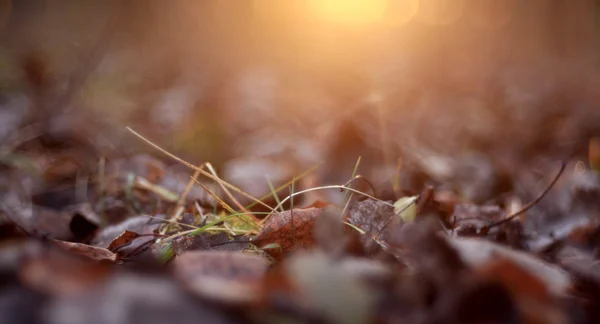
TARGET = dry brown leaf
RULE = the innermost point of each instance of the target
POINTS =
(377, 220)
(57, 272)
(139, 224)
(479, 253)
(530, 292)
(122, 240)
(290, 230)
(232, 277)
(89, 251)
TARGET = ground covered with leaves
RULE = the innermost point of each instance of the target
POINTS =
(154, 244)
(434, 172)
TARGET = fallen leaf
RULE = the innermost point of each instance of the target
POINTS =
(89, 251)
(531, 293)
(420, 247)
(330, 290)
(122, 240)
(480, 253)
(57, 272)
(405, 208)
(232, 277)
(139, 224)
(475, 300)
(372, 216)
(579, 263)
(377, 220)
(133, 298)
(290, 229)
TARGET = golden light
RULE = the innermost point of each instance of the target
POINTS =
(349, 11)
(491, 14)
(440, 12)
(273, 10)
(400, 12)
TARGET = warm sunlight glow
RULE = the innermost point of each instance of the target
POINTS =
(273, 10)
(400, 12)
(440, 12)
(349, 11)
(491, 14)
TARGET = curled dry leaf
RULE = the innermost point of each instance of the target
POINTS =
(291, 229)
(405, 208)
(232, 277)
(89, 251)
(139, 224)
(122, 240)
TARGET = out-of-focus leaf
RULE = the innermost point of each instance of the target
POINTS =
(479, 253)
(406, 208)
(232, 277)
(19, 161)
(271, 246)
(330, 233)
(594, 153)
(531, 292)
(376, 219)
(58, 272)
(330, 290)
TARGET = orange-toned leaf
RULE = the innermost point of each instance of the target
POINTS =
(122, 240)
(291, 229)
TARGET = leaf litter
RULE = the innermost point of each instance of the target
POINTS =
(345, 264)
(141, 242)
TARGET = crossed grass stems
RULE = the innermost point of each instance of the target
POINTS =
(244, 222)
(240, 221)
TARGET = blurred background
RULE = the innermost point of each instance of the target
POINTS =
(459, 90)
